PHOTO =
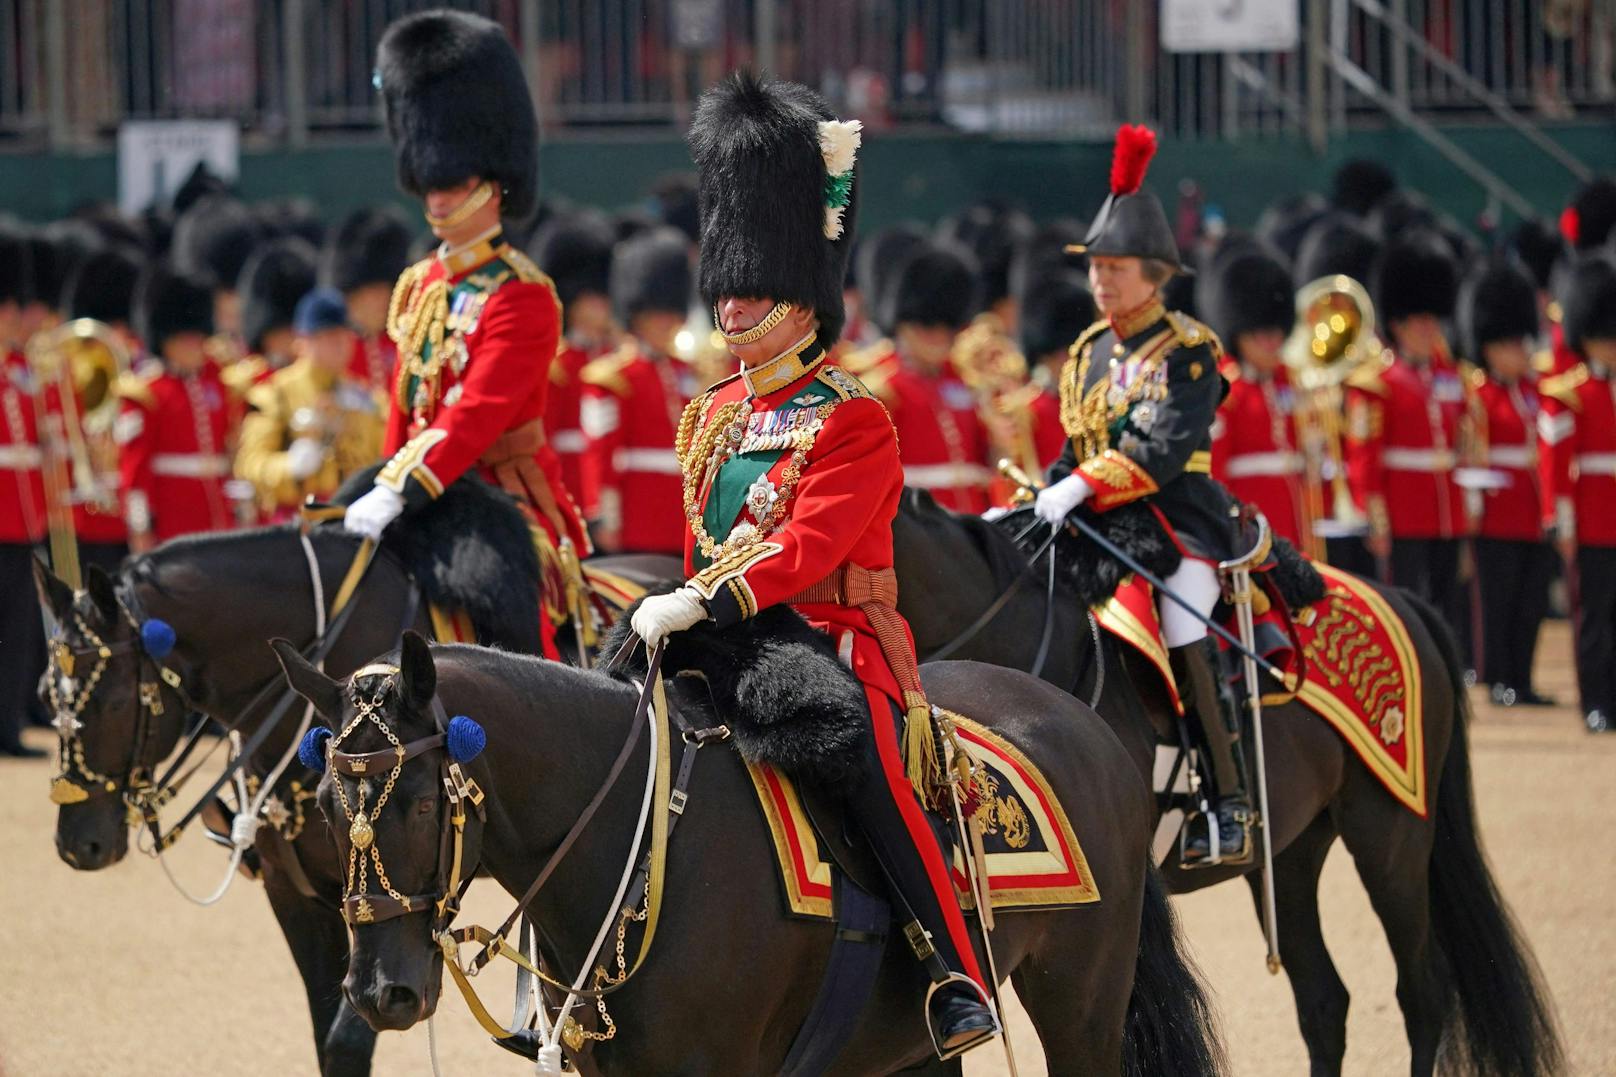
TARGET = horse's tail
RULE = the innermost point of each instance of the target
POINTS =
(1508, 1023)
(1170, 1026)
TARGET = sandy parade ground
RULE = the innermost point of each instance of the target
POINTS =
(115, 973)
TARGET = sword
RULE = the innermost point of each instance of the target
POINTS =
(1239, 573)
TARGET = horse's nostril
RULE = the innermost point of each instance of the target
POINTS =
(398, 1001)
(90, 851)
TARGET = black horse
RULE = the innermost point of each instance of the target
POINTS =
(731, 975)
(224, 596)
(1466, 981)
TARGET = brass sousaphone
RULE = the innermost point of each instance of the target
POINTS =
(82, 361)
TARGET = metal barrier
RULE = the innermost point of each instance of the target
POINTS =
(74, 69)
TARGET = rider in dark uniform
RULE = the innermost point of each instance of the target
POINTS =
(1138, 398)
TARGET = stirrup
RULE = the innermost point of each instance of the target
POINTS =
(1215, 856)
(987, 1034)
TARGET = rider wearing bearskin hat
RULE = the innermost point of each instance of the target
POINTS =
(792, 479)
(1138, 400)
(477, 324)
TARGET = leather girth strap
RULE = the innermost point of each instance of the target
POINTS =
(510, 458)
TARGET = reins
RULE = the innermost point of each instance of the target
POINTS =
(997, 606)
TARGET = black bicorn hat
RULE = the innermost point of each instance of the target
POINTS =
(575, 250)
(651, 272)
(102, 286)
(168, 303)
(458, 106)
(778, 196)
(369, 246)
(1246, 291)
(939, 284)
(1416, 274)
(1132, 222)
(1497, 303)
(1588, 300)
(278, 274)
(1056, 306)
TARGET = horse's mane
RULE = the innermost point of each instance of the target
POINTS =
(991, 541)
(146, 569)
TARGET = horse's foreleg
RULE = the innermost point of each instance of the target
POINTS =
(1321, 997)
(319, 944)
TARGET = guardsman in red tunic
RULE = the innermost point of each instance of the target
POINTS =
(576, 251)
(1498, 312)
(177, 428)
(1408, 422)
(799, 508)
(362, 259)
(941, 434)
(279, 273)
(1248, 301)
(1577, 434)
(213, 239)
(1055, 309)
(22, 502)
(634, 396)
(477, 325)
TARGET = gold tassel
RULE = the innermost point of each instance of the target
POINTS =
(919, 746)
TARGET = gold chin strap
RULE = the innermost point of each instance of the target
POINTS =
(474, 201)
(758, 331)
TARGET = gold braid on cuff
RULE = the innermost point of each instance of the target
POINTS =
(474, 201)
(758, 331)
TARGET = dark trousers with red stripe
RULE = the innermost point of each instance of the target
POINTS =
(22, 641)
(1514, 577)
(880, 800)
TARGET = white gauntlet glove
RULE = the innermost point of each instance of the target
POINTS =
(1054, 502)
(370, 515)
(304, 457)
(661, 615)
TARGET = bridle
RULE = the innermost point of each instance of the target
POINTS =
(458, 743)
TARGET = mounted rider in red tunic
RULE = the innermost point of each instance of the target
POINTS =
(477, 324)
(792, 477)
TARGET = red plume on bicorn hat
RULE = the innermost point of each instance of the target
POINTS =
(1132, 222)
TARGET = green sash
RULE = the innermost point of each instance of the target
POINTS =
(465, 301)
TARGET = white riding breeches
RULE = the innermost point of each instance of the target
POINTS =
(1197, 583)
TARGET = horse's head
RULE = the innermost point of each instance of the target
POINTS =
(118, 706)
(406, 817)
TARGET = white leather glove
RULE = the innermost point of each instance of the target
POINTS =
(370, 515)
(1054, 502)
(661, 615)
(304, 457)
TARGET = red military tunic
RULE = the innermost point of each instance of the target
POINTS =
(563, 418)
(941, 436)
(811, 489)
(176, 435)
(1577, 434)
(373, 361)
(22, 485)
(1048, 435)
(630, 409)
(1510, 413)
(1256, 452)
(1404, 429)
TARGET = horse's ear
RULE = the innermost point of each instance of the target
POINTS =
(419, 673)
(308, 681)
(53, 592)
(102, 592)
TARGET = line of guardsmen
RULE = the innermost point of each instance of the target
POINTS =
(1441, 417)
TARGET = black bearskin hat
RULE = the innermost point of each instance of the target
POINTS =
(1539, 246)
(1400, 213)
(651, 272)
(1132, 222)
(1045, 252)
(1587, 221)
(992, 233)
(1498, 303)
(878, 261)
(213, 240)
(1588, 300)
(1359, 185)
(291, 217)
(938, 285)
(576, 252)
(102, 286)
(1336, 244)
(673, 199)
(1055, 309)
(16, 264)
(279, 273)
(48, 266)
(776, 222)
(1285, 224)
(1416, 274)
(458, 106)
(169, 303)
(370, 246)
(1246, 291)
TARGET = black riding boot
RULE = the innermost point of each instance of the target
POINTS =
(1211, 698)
